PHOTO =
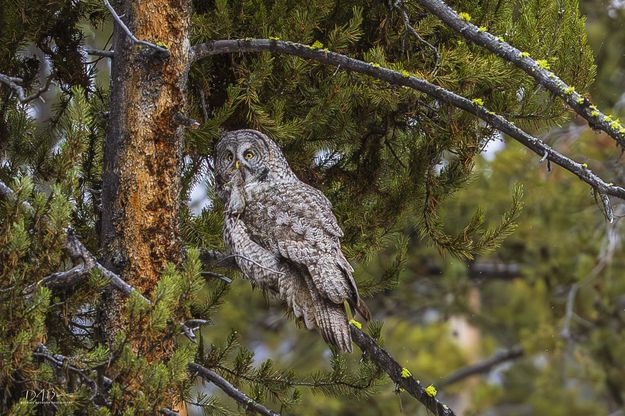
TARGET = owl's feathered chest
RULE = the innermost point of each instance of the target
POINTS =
(288, 212)
(266, 213)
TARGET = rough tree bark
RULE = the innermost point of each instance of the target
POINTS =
(143, 149)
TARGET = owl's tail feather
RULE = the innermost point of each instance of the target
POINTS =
(333, 325)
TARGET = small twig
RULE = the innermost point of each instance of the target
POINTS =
(218, 276)
(99, 52)
(159, 49)
(217, 258)
(77, 249)
(192, 325)
(269, 269)
(483, 366)
(604, 259)
(203, 104)
(607, 207)
(388, 144)
(230, 390)
(398, 374)
(570, 308)
(220, 259)
(399, 5)
(13, 83)
(7, 289)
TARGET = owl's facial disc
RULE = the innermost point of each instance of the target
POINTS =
(247, 153)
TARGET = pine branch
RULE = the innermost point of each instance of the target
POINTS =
(402, 378)
(483, 366)
(135, 41)
(230, 390)
(14, 84)
(404, 79)
(580, 104)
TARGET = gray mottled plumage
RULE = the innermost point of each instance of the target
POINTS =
(284, 236)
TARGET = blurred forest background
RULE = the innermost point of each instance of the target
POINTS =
(551, 298)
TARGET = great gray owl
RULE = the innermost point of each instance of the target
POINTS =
(284, 236)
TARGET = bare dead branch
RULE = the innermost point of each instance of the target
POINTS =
(99, 52)
(77, 249)
(580, 104)
(230, 390)
(67, 278)
(397, 373)
(158, 49)
(14, 84)
(186, 121)
(483, 366)
(78, 253)
(404, 79)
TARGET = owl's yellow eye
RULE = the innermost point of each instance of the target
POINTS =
(248, 155)
(230, 157)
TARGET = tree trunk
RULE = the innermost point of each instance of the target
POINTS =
(143, 149)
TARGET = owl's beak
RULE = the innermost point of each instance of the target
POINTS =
(237, 164)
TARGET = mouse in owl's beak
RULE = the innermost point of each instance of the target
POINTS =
(236, 203)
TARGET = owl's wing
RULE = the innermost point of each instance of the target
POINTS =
(295, 221)
(267, 271)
